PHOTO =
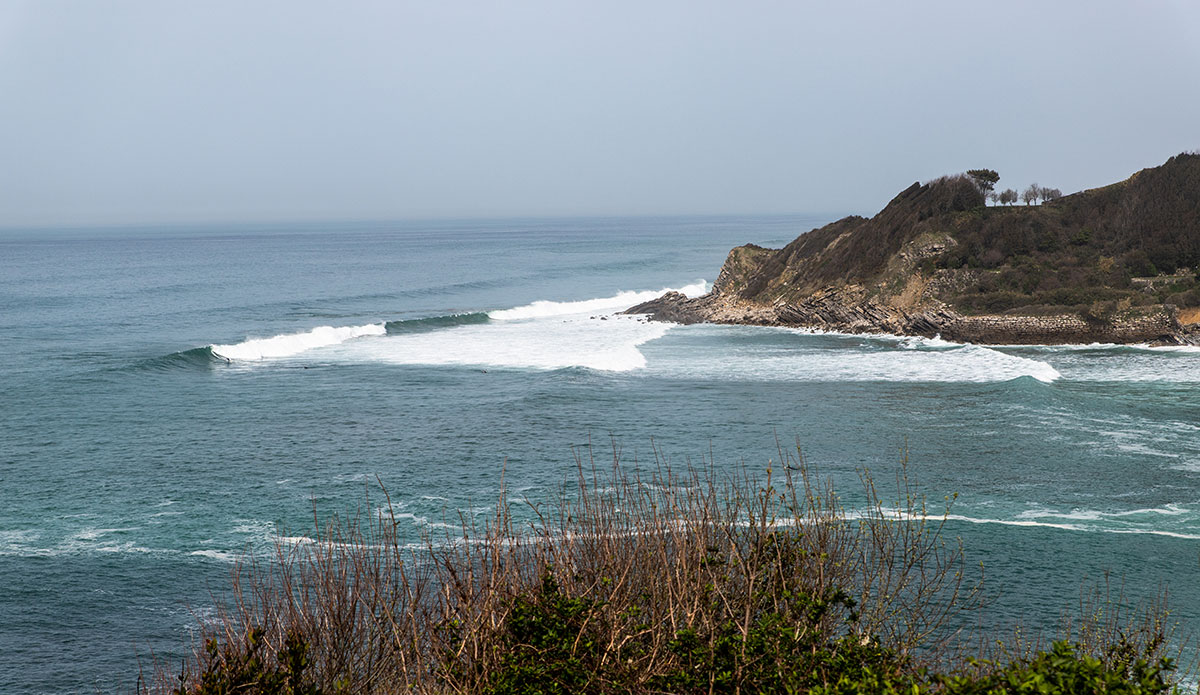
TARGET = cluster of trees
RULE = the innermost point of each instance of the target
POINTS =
(1088, 247)
(1030, 195)
(985, 180)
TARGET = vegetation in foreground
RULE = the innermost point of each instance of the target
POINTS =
(674, 583)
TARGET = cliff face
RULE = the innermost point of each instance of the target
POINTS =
(1112, 264)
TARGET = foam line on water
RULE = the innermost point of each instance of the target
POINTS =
(1097, 515)
(216, 555)
(910, 342)
(1189, 349)
(289, 344)
(804, 356)
(1124, 363)
(1068, 523)
(1074, 527)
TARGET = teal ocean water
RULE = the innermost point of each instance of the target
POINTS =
(175, 397)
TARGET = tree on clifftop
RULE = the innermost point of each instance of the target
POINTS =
(984, 179)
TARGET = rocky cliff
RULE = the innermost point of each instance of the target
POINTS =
(1113, 264)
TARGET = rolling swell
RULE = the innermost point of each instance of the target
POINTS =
(433, 323)
(207, 356)
(196, 358)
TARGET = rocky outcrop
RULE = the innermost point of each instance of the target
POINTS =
(675, 307)
(832, 310)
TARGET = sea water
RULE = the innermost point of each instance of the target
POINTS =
(175, 398)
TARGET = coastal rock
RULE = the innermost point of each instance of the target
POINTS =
(674, 307)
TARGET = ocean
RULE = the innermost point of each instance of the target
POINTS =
(174, 398)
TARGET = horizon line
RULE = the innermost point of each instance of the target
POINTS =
(283, 221)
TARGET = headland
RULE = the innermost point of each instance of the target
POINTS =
(1106, 265)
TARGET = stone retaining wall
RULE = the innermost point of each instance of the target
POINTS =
(1048, 330)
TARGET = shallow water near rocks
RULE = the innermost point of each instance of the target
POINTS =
(176, 397)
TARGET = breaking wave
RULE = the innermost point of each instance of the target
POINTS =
(541, 335)
(294, 343)
(590, 333)
(196, 358)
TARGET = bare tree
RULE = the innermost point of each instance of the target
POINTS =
(993, 196)
(1050, 193)
(1032, 194)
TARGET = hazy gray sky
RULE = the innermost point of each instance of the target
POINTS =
(149, 111)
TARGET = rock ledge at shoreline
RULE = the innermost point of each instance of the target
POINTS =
(828, 312)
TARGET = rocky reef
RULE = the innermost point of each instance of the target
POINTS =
(1109, 265)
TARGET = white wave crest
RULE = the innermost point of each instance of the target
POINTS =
(294, 343)
(935, 343)
(617, 302)
(215, 555)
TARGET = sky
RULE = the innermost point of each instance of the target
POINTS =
(160, 111)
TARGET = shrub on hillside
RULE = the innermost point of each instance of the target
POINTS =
(665, 584)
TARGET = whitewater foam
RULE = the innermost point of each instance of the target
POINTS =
(1188, 349)
(18, 542)
(543, 335)
(934, 343)
(215, 555)
(795, 355)
(589, 333)
(290, 344)
(26, 543)
(608, 344)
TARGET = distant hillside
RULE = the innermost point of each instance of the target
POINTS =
(937, 259)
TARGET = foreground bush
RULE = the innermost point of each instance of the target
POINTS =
(677, 583)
